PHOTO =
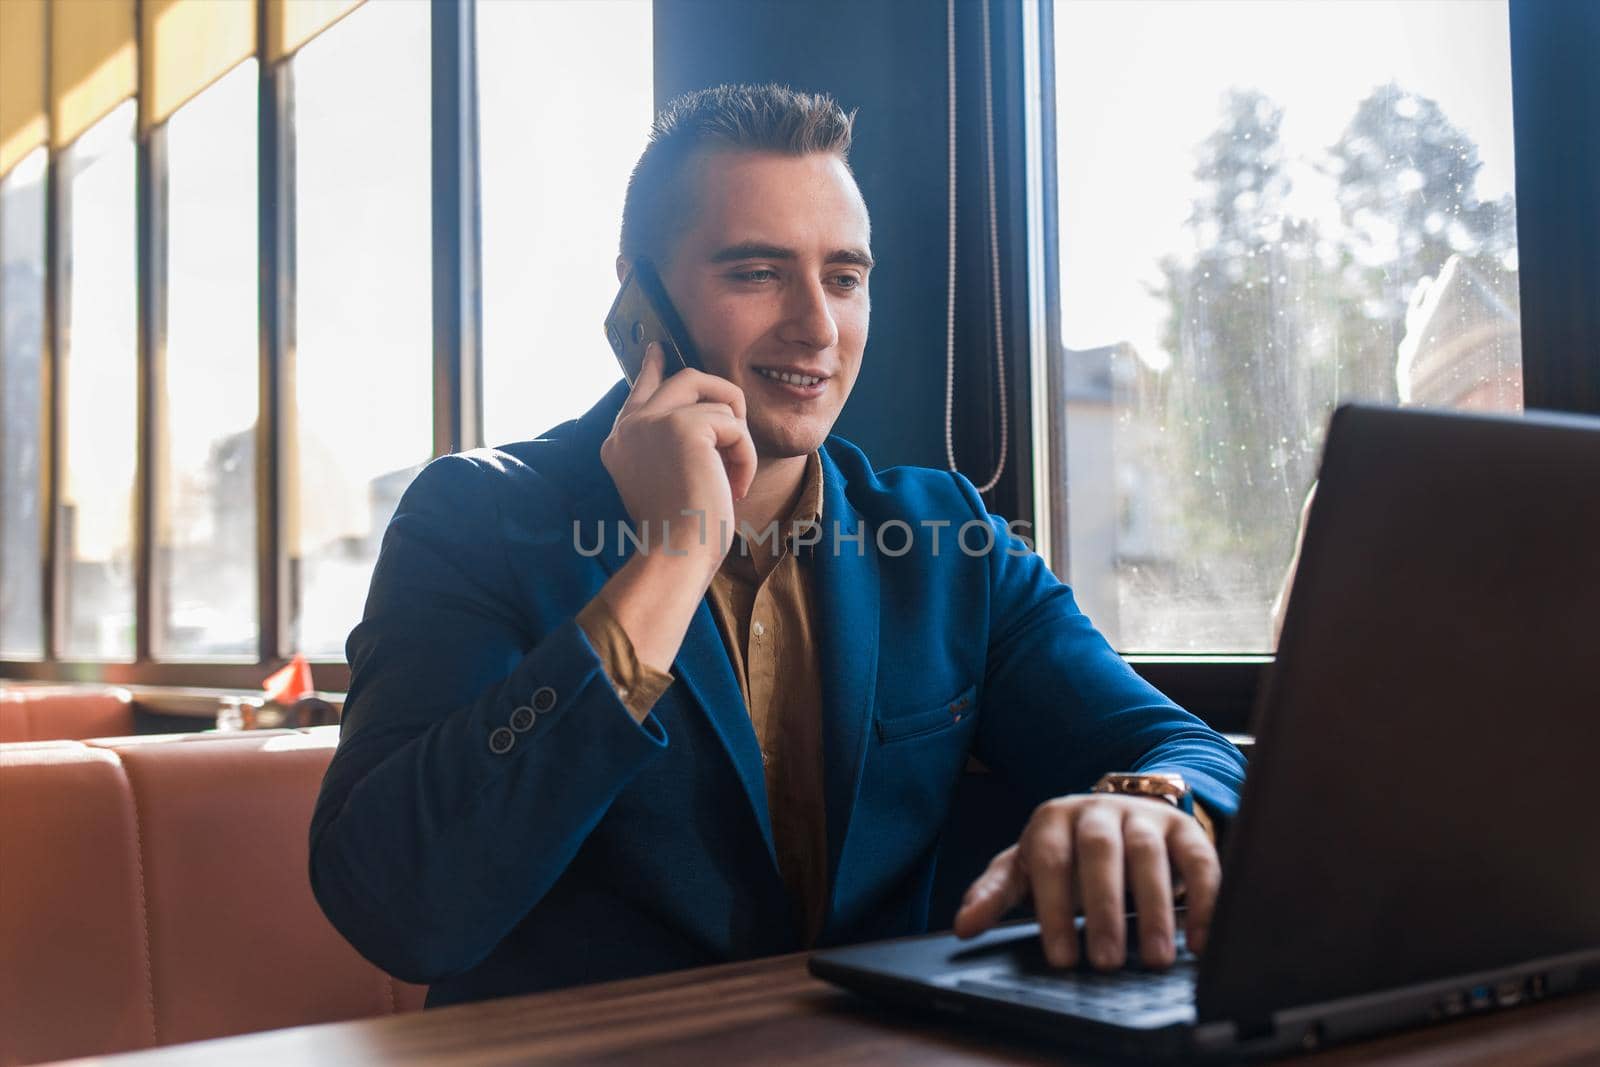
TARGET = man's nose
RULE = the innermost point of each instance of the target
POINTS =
(808, 320)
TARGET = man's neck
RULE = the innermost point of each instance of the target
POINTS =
(772, 492)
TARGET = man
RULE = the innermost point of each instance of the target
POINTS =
(569, 755)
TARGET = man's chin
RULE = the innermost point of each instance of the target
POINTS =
(789, 442)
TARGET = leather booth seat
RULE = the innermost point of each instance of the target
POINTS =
(52, 712)
(153, 890)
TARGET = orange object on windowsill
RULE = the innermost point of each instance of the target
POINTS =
(289, 683)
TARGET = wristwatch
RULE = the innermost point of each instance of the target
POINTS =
(1169, 787)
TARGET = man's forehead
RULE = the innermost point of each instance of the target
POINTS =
(757, 167)
(808, 204)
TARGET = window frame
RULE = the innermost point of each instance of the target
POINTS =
(1557, 159)
(456, 354)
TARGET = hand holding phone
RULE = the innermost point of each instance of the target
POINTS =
(680, 454)
(679, 444)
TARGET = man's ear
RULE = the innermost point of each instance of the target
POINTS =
(622, 269)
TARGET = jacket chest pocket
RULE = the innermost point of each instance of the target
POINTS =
(903, 726)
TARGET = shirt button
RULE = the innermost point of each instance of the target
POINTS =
(759, 629)
(544, 698)
(522, 719)
(501, 740)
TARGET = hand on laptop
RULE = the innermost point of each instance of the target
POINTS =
(1083, 852)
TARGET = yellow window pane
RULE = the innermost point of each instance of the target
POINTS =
(22, 115)
(291, 23)
(188, 45)
(91, 63)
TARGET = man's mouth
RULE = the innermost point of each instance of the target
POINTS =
(804, 381)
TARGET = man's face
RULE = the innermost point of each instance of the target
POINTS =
(771, 278)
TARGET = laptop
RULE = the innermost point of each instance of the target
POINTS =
(1417, 837)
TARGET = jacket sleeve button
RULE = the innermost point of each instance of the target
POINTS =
(501, 740)
(544, 698)
(522, 719)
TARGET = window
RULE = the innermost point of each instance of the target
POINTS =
(205, 559)
(353, 92)
(360, 411)
(1265, 210)
(98, 370)
(22, 295)
(559, 134)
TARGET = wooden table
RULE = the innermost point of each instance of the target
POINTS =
(772, 1012)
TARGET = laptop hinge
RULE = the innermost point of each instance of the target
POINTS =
(1251, 1029)
(1215, 1036)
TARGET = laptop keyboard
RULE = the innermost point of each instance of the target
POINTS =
(1122, 998)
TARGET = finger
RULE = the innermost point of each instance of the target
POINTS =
(705, 407)
(740, 460)
(1100, 880)
(1150, 877)
(690, 386)
(648, 380)
(1196, 860)
(1001, 887)
(731, 429)
(1047, 857)
(731, 438)
(725, 429)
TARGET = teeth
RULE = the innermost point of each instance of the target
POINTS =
(805, 380)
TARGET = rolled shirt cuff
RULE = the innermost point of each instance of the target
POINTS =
(638, 685)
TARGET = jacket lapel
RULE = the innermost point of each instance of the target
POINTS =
(702, 666)
(848, 609)
(705, 670)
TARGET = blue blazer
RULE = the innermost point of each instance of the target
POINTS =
(486, 850)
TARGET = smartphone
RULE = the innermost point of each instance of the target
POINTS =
(641, 313)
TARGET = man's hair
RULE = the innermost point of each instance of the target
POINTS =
(659, 203)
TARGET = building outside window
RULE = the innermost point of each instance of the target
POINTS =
(1267, 210)
(22, 306)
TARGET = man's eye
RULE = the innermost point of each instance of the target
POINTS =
(755, 275)
(848, 281)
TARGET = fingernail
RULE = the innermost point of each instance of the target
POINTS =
(1104, 953)
(1059, 950)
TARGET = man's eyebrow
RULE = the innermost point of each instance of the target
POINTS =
(761, 250)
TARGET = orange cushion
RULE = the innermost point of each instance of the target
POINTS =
(74, 962)
(238, 943)
(48, 712)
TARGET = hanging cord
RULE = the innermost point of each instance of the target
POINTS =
(994, 249)
(950, 214)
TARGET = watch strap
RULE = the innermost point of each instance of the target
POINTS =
(1160, 786)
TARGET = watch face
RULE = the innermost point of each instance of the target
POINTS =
(1159, 785)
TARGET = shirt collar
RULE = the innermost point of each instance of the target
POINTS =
(807, 512)
(808, 507)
